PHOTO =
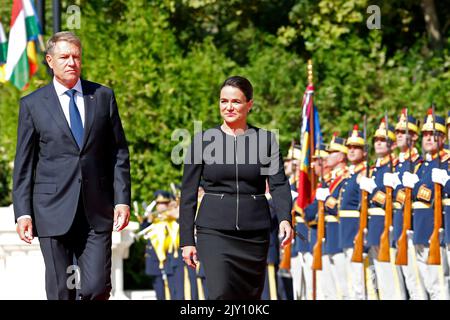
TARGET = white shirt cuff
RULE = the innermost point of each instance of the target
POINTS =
(120, 204)
(25, 216)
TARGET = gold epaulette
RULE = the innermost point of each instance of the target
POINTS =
(445, 156)
(417, 167)
(395, 161)
(360, 167)
(386, 159)
(415, 157)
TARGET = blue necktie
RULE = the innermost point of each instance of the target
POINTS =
(76, 125)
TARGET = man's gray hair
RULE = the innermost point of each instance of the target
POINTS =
(62, 36)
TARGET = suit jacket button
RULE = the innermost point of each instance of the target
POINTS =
(79, 180)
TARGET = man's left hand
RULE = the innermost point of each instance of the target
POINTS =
(121, 217)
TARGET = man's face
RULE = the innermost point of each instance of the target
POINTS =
(402, 139)
(355, 154)
(65, 63)
(161, 206)
(334, 159)
(381, 147)
(317, 166)
(290, 166)
(429, 143)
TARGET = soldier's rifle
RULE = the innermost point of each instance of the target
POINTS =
(402, 243)
(358, 248)
(434, 255)
(384, 252)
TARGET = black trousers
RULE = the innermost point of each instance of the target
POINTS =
(234, 262)
(78, 263)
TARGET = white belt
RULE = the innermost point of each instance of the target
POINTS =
(376, 212)
(421, 205)
(349, 214)
(329, 218)
(299, 219)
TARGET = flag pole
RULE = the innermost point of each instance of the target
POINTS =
(312, 127)
(311, 153)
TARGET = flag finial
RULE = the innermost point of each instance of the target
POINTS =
(310, 72)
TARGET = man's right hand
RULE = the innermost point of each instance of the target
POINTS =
(25, 230)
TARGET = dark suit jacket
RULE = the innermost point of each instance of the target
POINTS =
(234, 190)
(51, 172)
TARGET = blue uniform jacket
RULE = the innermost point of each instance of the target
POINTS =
(399, 194)
(332, 241)
(350, 203)
(423, 218)
(377, 199)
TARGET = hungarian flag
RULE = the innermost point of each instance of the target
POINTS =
(33, 34)
(3, 53)
(22, 55)
(311, 136)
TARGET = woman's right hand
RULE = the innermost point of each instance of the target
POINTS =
(190, 256)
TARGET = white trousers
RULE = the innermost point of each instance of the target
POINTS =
(411, 273)
(334, 277)
(389, 279)
(298, 279)
(354, 276)
(433, 276)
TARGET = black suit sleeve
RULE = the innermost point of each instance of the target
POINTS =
(121, 158)
(278, 183)
(24, 163)
(192, 173)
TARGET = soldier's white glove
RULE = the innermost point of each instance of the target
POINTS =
(367, 184)
(391, 180)
(439, 176)
(410, 179)
(322, 194)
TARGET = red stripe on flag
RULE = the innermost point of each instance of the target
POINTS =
(304, 190)
(17, 7)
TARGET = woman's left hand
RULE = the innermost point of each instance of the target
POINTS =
(286, 233)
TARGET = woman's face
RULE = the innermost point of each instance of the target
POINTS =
(233, 105)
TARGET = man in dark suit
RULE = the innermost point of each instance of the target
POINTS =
(71, 175)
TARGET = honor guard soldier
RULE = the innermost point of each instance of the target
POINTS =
(320, 167)
(156, 264)
(300, 246)
(447, 144)
(432, 272)
(334, 266)
(389, 280)
(201, 277)
(407, 135)
(271, 285)
(425, 200)
(182, 279)
(349, 206)
(443, 178)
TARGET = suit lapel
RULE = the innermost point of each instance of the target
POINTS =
(54, 108)
(89, 109)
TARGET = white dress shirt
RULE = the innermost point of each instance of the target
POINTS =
(64, 99)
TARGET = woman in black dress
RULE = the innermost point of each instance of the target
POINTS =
(234, 161)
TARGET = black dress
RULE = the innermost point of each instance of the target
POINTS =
(233, 220)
